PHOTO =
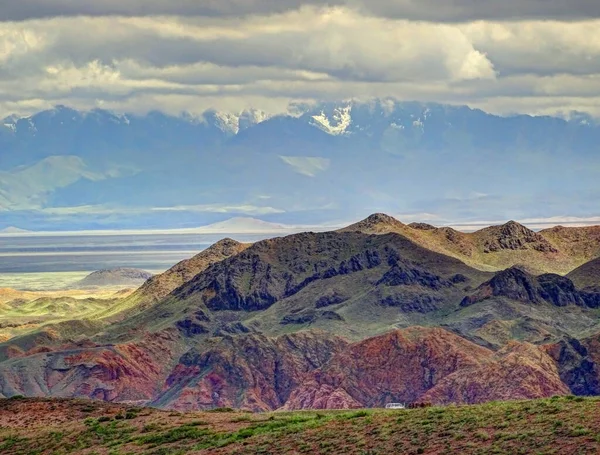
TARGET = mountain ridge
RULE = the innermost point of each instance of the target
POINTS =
(329, 317)
(292, 166)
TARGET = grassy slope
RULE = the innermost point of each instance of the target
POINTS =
(566, 425)
(25, 312)
(586, 275)
(575, 245)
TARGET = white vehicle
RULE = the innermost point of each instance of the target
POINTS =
(395, 406)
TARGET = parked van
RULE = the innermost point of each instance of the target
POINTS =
(395, 406)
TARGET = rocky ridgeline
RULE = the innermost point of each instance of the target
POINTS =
(331, 320)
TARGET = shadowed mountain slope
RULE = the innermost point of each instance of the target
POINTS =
(518, 285)
(159, 286)
(349, 283)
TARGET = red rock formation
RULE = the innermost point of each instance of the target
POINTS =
(125, 372)
(251, 372)
(396, 367)
(518, 371)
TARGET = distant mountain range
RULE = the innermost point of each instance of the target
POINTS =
(373, 313)
(66, 169)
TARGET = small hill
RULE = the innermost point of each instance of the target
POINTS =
(14, 231)
(378, 223)
(244, 225)
(512, 236)
(559, 425)
(587, 275)
(114, 277)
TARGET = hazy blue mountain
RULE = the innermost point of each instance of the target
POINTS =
(328, 161)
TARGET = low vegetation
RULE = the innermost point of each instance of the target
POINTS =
(559, 425)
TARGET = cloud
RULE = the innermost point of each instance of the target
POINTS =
(307, 165)
(286, 51)
(246, 209)
(89, 210)
(32, 9)
(422, 10)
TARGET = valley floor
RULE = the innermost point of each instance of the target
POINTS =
(560, 425)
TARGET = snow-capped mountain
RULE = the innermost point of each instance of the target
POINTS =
(232, 123)
(336, 123)
(325, 161)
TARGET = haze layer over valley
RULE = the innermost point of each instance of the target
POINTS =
(318, 164)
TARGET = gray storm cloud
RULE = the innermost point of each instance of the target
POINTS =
(201, 56)
(428, 10)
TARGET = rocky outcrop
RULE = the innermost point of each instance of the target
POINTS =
(519, 285)
(513, 236)
(332, 297)
(578, 364)
(422, 226)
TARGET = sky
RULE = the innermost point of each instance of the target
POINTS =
(538, 57)
(526, 56)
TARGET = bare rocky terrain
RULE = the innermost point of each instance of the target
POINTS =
(372, 314)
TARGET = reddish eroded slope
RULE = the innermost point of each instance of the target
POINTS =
(420, 364)
(518, 371)
(132, 371)
(248, 372)
(304, 370)
(396, 367)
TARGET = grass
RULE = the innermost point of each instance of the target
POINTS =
(569, 425)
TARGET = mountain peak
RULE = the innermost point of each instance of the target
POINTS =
(161, 285)
(376, 223)
(337, 123)
(381, 218)
(515, 226)
(513, 236)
